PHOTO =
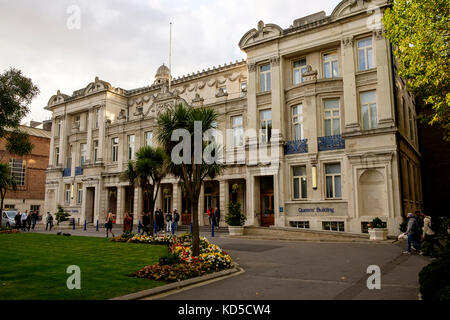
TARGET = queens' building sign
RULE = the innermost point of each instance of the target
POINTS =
(323, 95)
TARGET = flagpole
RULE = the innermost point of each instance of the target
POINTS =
(170, 57)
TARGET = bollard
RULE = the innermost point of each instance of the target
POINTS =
(73, 223)
(139, 226)
(191, 227)
(156, 228)
(97, 226)
(173, 227)
(84, 225)
(212, 229)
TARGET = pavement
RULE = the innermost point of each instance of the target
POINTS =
(303, 270)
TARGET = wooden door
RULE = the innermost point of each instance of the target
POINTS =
(267, 212)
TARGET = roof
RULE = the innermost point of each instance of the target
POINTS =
(34, 132)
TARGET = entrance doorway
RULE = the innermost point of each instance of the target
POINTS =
(90, 200)
(267, 201)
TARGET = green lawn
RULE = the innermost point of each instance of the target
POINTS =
(33, 266)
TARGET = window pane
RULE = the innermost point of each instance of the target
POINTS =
(262, 85)
(365, 117)
(331, 104)
(236, 120)
(370, 58)
(265, 67)
(268, 81)
(327, 70)
(300, 63)
(337, 186)
(299, 171)
(336, 127)
(296, 188)
(368, 97)
(362, 60)
(373, 115)
(332, 168)
(303, 181)
(334, 226)
(328, 127)
(266, 114)
(335, 69)
(329, 187)
(297, 77)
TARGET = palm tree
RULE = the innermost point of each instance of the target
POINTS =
(191, 174)
(148, 170)
(6, 182)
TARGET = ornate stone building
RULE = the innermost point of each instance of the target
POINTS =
(322, 95)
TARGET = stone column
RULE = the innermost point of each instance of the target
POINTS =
(137, 204)
(249, 193)
(276, 206)
(385, 95)
(73, 155)
(224, 198)
(252, 114)
(120, 204)
(52, 146)
(89, 136)
(63, 141)
(101, 157)
(349, 81)
(175, 195)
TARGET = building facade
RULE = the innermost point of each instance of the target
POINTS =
(319, 103)
(28, 171)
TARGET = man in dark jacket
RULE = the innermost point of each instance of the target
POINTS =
(146, 223)
(411, 232)
(217, 217)
(176, 218)
(17, 220)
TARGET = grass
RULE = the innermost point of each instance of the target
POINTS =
(33, 266)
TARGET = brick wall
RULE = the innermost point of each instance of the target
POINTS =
(36, 164)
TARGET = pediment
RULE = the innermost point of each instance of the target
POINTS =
(57, 99)
(96, 86)
(348, 7)
(264, 32)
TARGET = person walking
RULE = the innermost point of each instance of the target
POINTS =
(411, 232)
(49, 221)
(127, 222)
(23, 220)
(429, 237)
(17, 219)
(210, 213)
(108, 224)
(160, 220)
(176, 218)
(34, 217)
(217, 217)
(29, 222)
(169, 222)
(146, 223)
(131, 214)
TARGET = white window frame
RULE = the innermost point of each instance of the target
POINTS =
(299, 70)
(149, 138)
(131, 146)
(367, 51)
(297, 122)
(237, 139)
(333, 180)
(265, 84)
(332, 117)
(115, 149)
(83, 150)
(330, 59)
(57, 156)
(297, 179)
(79, 193)
(67, 193)
(371, 107)
(17, 171)
(264, 134)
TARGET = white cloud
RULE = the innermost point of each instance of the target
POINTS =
(124, 42)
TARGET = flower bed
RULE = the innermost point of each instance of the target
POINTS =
(212, 258)
(8, 231)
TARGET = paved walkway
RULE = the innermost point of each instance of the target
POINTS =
(306, 270)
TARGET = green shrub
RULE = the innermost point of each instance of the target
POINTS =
(127, 234)
(235, 217)
(434, 279)
(377, 223)
(61, 215)
(169, 259)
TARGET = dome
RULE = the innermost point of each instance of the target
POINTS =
(162, 74)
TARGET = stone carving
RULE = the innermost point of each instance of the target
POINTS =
(221, 92)
(122, 115)
(310, 74)
(275, 61)
(251, 67)
(263, 32)
(347, 41)
(378, 34)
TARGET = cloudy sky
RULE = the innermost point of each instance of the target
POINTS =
(125, 41)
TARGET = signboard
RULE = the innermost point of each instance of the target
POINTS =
(317, 209)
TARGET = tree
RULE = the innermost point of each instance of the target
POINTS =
(193, 169)
(6, 182)
(419, 32)
(16, 94)
(148, 170)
